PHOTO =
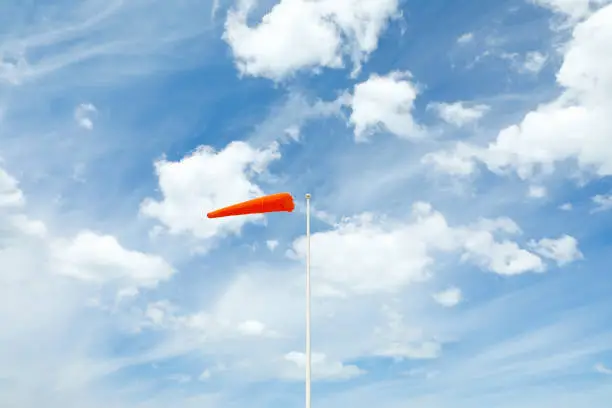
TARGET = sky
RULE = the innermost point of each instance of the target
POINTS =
(458, 154)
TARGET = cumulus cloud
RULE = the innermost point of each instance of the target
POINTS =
(537, 192)
(205, 376)
(16, 223)
(82, 115)
(88, 256)
(252, 328)
(504, 258)
(459, 113)
(249, 320)
(301, 34)
(45, 294)
(272, 244)
(203, 181)
(465, 38)
(369, 254)
(562, 250)
(575, 127)
(101, 259)
(602, 369)
(384, 103)
(10, 193)
(602, 202)
(449, 297)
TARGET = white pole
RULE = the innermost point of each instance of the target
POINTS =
(308, 352)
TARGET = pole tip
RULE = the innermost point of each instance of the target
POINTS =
(308, 196)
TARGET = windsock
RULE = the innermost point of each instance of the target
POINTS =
(280, 202)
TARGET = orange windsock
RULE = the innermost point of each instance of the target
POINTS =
(266, 204)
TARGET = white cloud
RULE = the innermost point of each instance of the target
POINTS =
(39, 303)
(537, 192)
(98, 31)
(534, 62)
(574, 9)
(349, 255)
(230, 330)
(449, 297)
(602, 202)
(26, 225)
(322, 367)
(530, 63)
(301, 34)
(384, 103)
(575, 127)
(203, 326)
(272, 244)
(216, 4)
(248, 310)
(101, 259)
(369, 254)
(252, 328)
(465, 38)
(206, 180)
(504, 258)
(458, 113)
(82, 115)
(10, 194)
(566, 207)
(602, 369)
(293, 132)
(205, 376)
(247, 325)
(562, 250)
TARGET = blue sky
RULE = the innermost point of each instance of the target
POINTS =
(459, 157)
